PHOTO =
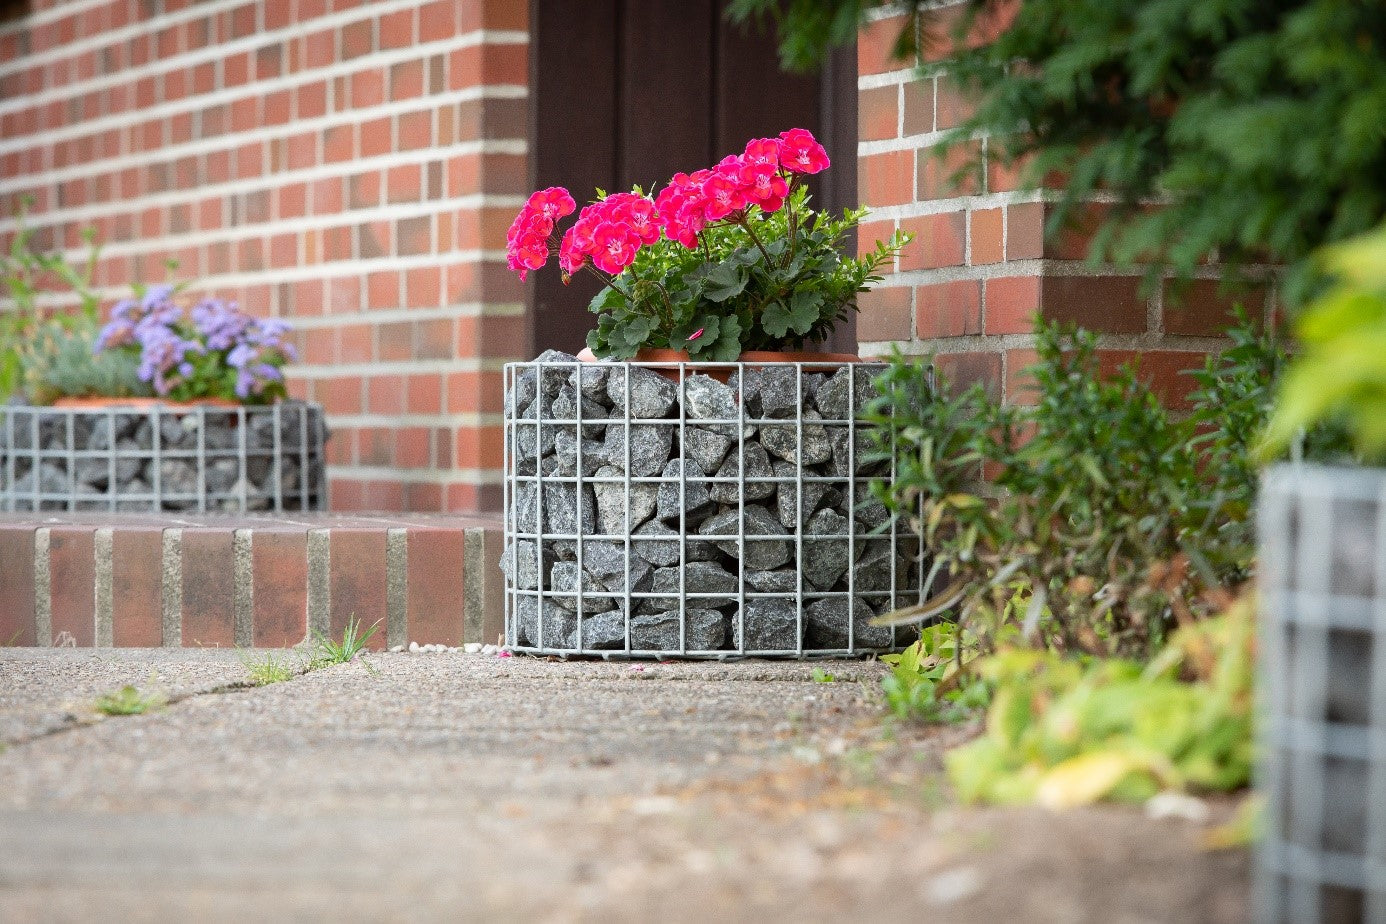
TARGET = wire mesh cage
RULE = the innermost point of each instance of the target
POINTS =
(163, 458)
(705, 510)
(1323, 695)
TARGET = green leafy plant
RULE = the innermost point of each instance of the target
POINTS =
(354, 641)
(1339, 377)
(1255, 125)
(929, 682)
(1115, 519)
(1064, 731)
(269, 669)
(128, 700)
(28, 331)
(777, 281)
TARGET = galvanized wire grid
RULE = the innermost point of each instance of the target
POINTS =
(543, 619)
(1323, 695)
(154, 458)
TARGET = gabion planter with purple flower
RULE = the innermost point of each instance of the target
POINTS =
(219, 437)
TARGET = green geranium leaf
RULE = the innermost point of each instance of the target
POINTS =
(798, 316)
(726, 280)
(727, 347)
(707, 324)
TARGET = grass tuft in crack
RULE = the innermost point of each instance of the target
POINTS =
(354, 641)
(272, 669)
(129, 701)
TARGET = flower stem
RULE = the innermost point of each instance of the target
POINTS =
(792, 221)
(608, 280)
(745, 222)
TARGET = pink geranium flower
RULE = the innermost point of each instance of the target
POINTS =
(553, 203)
(527, 240)
(800, 152)
(680, 209)
(530, 252)
(763, 151)
(638, 212)
(723, 193)
(764, 186)
(614, 245)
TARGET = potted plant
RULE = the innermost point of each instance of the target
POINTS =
(1322, 577)
(721, 263)
(211, 353)
(722, 507)
(167, 406)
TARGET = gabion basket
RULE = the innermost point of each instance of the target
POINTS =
(1323, 695)
(707, 510)
(163, 458)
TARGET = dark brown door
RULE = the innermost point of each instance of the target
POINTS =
(632, 91)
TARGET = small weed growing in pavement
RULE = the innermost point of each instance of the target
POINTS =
(129, 701)
(926, 682)
(272, 669)
(821, 676)
(353, 642)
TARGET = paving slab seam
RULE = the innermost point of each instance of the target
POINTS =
(73, 722)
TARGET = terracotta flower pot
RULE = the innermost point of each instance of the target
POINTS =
(797, 356)
(722, 373)
(94, 402)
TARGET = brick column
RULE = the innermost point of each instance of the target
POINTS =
(979, 267)
(349, 166)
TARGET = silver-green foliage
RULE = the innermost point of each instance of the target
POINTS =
(65, 365)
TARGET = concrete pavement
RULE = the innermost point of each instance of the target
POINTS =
(462, 787)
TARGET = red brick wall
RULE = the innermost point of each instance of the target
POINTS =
(350, 166)
(979, 266)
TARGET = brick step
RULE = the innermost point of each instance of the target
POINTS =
(144, 580)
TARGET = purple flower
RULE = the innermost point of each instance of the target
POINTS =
(240, 355)
(244, 383)
(166, 337)
(221, 324)
(120, 330)
(161, 349)
(156, 296)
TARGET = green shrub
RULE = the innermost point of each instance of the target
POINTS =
(927, 682)
(1109, 517)
(1256, 124)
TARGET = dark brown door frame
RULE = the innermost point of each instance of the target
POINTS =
(630, 91)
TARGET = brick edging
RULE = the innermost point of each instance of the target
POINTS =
(132, 582)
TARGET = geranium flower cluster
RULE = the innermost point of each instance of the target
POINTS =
(187, 355)
(612, 230)
(527, 242)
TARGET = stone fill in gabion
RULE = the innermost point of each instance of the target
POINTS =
(163, 458)
(708, 511)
